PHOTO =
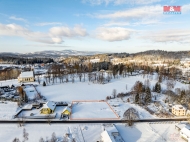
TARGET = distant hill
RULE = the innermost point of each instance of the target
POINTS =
(53, 55)
(162, 54)
(50, 53)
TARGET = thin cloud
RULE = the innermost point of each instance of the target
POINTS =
(18, 19)
(172, 35)
(48, 23)
(55, 34)
(119, 2)
(135, 13)
(112, 23)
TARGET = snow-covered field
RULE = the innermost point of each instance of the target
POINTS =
(90, 91)
(87, 132)
(140, 132)
(92, 110)
(7, 110)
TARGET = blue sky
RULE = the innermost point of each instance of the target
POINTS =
(93, 25)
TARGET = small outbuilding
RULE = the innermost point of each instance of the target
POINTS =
(66, 111)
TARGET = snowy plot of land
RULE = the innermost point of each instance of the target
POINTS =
(89, 133)
(92, 110)
(145, 132)
(9, 82)
(7, 110)
(122, 107)
(90, 91)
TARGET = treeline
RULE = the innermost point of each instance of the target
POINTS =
(163, 54)
(21, 60)
(95, 72)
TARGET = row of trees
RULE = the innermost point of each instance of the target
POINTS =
(9, 73)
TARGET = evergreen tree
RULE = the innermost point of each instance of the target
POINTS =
(44, 84)
(137, 98)
(157, 87)
(148, 95)
(182, 96)
(157, 69)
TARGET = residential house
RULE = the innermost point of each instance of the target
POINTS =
(179, 110)
(26, 77)
(48, 108)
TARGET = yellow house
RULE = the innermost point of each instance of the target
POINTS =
(66, 111)
(179, 110)
(26, 77)
(48, 108)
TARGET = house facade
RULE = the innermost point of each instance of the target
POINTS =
(26, 77)
(48, 108)
(179, 110)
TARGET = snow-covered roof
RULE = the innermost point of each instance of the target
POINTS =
(67, 108)
(179, 107)
(106, 137)
(111, 134)
(185, 131)
(50, 105)
(27, 74)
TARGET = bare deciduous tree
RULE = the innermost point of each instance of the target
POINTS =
(41, 140)
(130, 115)
(25, 135)
(16, 140)
(53, 137)
(114, 93)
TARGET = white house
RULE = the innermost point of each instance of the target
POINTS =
(179, 110)
(185, 133)
(111, 134)
(26, 76)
